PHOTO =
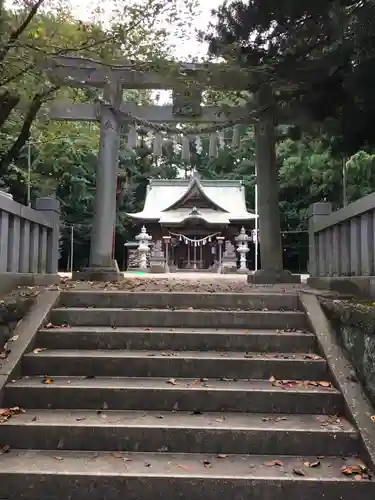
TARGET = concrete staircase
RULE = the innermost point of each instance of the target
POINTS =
(178, 396)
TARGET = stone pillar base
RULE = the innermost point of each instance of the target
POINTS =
(97, 273)
(159, 268)
(273, 277)
(242, 271)
(229, 269)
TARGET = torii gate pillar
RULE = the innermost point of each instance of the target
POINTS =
(271, 249)
(102, 267)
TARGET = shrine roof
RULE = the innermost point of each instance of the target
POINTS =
(164, 196)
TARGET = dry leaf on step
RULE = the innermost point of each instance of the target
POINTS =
(312, 465)
(298, 472)
(47, 380)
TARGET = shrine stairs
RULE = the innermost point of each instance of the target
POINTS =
(180, 396)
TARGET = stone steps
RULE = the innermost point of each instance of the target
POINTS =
(30, 475)
(154, 396)
(258, 396)
(176, 339)
(178, 318)
(188, 364)
(181, 432)
(160, 300)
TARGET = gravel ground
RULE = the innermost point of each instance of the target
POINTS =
(176, 283)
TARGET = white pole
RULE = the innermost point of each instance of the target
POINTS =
(71, 247)
(28, 173)
(256, 245)
(344, 183)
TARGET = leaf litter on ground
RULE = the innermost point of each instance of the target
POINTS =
(7, 413)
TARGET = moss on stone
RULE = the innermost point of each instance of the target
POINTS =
(354, 323)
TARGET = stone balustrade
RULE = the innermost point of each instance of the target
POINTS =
(29, 241)
(342, 246)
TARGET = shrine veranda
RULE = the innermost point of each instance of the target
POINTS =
(187, 82)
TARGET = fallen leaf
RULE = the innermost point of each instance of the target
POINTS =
(279, 463)
(7, 413)
(171, 381)
(58, 458)
(47, 380)
(4, 449)
(325, 384)
(273, 463)
(79, 419)
(298, 472)
(349, 470)
(312, 465)
(116, 454)
(39, 349)
(207, 464)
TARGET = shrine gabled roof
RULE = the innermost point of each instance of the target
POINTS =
(164, 196)
(195, 187)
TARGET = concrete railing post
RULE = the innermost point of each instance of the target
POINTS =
(317, 212)
(50, 207)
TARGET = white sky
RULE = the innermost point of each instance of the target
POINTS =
(184, 48)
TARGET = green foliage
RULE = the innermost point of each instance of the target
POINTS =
(318, 53)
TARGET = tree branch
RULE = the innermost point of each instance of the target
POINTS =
(14, 151)
(21, 28)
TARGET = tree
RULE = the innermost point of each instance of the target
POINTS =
(34, 31)
(319, 53)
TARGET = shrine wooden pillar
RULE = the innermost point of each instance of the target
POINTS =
(271, 249)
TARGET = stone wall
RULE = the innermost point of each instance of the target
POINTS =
(354, 324)
(13, 307)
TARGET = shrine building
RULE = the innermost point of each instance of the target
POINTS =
(195, 217)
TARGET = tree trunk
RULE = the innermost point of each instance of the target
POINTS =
(8, 102)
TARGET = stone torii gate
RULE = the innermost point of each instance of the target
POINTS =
(113, 79)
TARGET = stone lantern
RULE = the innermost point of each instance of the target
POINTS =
(243, 248)
(143, 247)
